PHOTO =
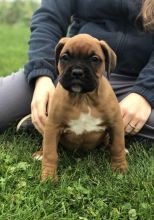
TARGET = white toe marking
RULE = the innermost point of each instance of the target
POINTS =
(38, 157)
(126, 151)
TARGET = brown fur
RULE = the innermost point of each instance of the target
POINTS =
(66, 106)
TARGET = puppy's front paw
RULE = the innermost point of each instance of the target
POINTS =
(49, 173)
(120, 166)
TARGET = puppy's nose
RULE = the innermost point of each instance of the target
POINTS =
(77, 73)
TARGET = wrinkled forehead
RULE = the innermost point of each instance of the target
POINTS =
(82, 47)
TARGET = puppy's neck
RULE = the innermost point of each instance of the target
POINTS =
(89, 98)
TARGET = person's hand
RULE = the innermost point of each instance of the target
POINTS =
(44, 90)
(135, 112)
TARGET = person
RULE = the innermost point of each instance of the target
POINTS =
(127, 26)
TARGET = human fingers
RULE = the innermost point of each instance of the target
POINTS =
(41, 108)
(130, 127)
(38, 111)
(127, 117)
(36, 121)
(139, 125)
(135, 111)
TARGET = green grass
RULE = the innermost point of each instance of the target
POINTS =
(87, 188)
(13, 48)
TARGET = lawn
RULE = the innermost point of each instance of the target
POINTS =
(87, 188)
(13, 48)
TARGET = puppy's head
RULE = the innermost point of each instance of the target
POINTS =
(81, 61)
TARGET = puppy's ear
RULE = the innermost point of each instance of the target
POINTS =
(58, 50)
(110, 56)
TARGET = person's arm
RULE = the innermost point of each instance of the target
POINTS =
(145, 82)
(49, 23)
(136, 107)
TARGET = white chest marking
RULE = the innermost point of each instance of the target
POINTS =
(86, 123)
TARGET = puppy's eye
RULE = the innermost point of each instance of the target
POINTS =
(95, 59)
(64, 57)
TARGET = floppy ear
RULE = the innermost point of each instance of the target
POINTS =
(110, 57)
(58, 50)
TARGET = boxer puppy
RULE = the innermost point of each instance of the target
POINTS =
(84, 107)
